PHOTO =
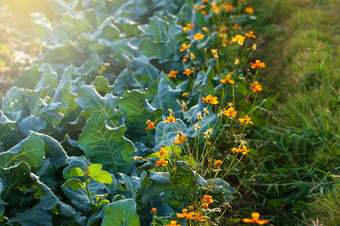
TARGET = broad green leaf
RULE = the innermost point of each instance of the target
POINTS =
(102, 84)
(31, 123)
(157, 29)
(133, 184)
(74, 183)
(166, 98)
(125, 81)
(103, 177)
(29, 150)
(29, 77)
(151, 48)
(8, 134)
(53, 150)
(94, 169)
(122, 212)
(76, 172)
(13, 103)
(203, 83)
(89, 99)
(16, 175)
(133, 106)
(34, 216)
(107, 30)
(144, 68)
(106, 145)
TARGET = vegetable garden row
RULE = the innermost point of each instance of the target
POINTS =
(134, 113)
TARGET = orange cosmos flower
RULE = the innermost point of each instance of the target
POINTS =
(242, 149)
(199, 7)
(230, 112)
(236, 26)
(184, 47)
(180, 138)
(173, 223)
(205, 205)
(249, 10)
(183, 214)
(151, 124)
(189, 27)
(218, 162)
(153, 210)
(258, 64)
(161, 162)
(198, 36)
(195, 216)
(208, 199)
(250, 34)
(172, 74)
(257, 87)
(227, 79)
(228, 7)
(246, 119)
(162, 152)
(210, 99)
(239, 39)
(255, 219)
(205, 1)
(223, 28)
(188, 71)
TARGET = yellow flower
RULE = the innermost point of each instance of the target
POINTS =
(237, 61)
(214, 52)
(230, 112)
(255, 219)
(239, 39)
(215, 9)
(170, 119)
(246, 119)
(184, 47)
(249, 10)
(210, 99)
(227, 79)
(172, 74)
(173, 223)
(189, 27)
(198, 36)
(162, 152)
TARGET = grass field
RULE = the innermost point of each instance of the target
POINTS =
(299, 150)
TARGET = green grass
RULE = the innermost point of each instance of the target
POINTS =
(298, 145)
(326, 208)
